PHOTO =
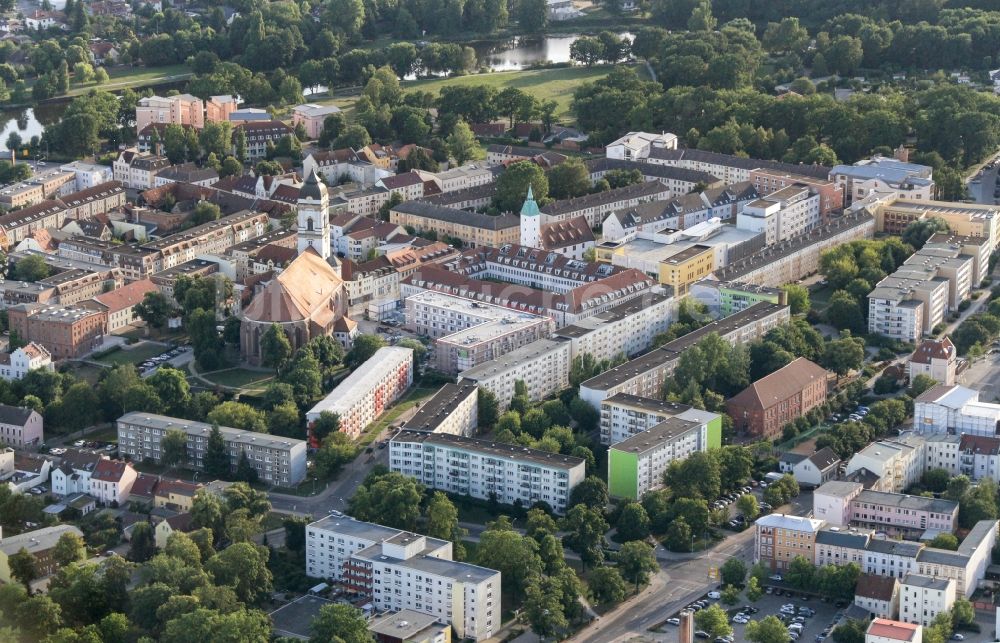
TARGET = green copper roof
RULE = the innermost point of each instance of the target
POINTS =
(530, 208)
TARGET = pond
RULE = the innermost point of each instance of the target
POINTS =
(29, 121)
(523, 51)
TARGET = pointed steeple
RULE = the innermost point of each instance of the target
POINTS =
(530, 207)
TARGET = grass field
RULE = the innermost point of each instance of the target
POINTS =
(124, 77)
(407, 403)
(137, 354)
(240, 378)
(544, 84)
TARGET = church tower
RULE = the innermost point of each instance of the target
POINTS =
(314, 217)
(531, 222)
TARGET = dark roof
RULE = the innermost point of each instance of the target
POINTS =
(701, 156)
(462, 217)
(650, 170)
(313, 188)
(561, 234)
(498, 449)
(842, 538)
(902, 548)
(824, 459)
(987, 444)
(438, 408)
(14, 415)
(878, 587)
(644, 190)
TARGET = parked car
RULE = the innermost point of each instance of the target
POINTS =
(702, 634)
(673, 621)
(715, 595)
(776, 577)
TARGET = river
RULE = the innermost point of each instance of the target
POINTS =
(496, 55)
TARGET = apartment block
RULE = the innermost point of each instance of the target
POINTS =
(467, 333)
(729, 168)
(783, 214)
(484, 469)
(364, 395)
(311, 117)
(40, 543)
(903, 515)
(976, 247)
(181, 109)
(401, 570)
(954, 409)
(725, 298)
(904, 308)
(595, 207)
(624, 416)
(831, 195)
(779, 538)
(636, 464)
(66, 332)
(895, 463)
(788, 261)
(893, 213)
(278, 460)
(453, 410)
(644, 375)
(636, 146)
(878, 595)
(542, 365)
(623, 331)
(678, 180)
(922, 598)
(974, 456)
(879, 174)
(472, 228)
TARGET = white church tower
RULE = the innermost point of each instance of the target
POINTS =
(314, 217)
(531, 222)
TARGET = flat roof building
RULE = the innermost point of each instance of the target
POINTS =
(453, 409)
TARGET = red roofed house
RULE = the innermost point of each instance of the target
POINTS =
(120, 303)
(766, 406)
(112, 481)
(883, 630)
(180, 523)
(936, 358)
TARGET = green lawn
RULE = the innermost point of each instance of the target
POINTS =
(124, 77)
(544, 84)
(135, 354)
(239, 378)
(408, 402)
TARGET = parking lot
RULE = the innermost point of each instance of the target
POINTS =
(172, 357)
(771, 605)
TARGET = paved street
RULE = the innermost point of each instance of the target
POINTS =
(681, 579)
(335, 496)
(982, 191)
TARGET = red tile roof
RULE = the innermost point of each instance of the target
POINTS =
(127, 296)
(109, 470)
(895, 630)
(933, 349)
(780, 385)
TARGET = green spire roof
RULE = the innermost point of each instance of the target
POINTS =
(530, 208)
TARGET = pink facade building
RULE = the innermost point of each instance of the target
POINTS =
(182, 109)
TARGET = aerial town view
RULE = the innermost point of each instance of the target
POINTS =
(499, 321)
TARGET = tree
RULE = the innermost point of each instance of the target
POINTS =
(918, 232)
(513, 555)
(733, 572)
(31, 268)
(326, 424)
(798, 298)
(587, 50)
(801, 573)
(747, 504)
(754, 592)
(697, 476)
(275, 349)
(569, 179)
(142, 545)
(488, 409)
(767, 630)
(23, 567)
(362, 349)
(205, 212)
(592, 492)
(606, 586)
(978, 503)
(532, 15)
(636, 562)
(154, 309)
(69, 549)
(851, 631)
(172, 387)
(512, 186)
(390, 499)
(462, 144)
(216, 459)
(245, 472)
(544, 608)
(207, 512)
(173, 447)
(633, 523)
(920, 384)
(701, 17)
(713, 619)
(844, 313)
(243, 567)
(962, 613)
(354, 137)
(679, 536)
(442, 522)
(586, 529)
(238, 415)
(339, 622)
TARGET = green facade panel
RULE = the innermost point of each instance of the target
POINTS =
(623, 474)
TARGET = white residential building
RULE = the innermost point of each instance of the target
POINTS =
(906, 308)
(88, 175)
(922, 598)
(811, 470)
(73, 473)
(954, 409)
(15, 365)
(879, 595)
(137, 170)
(366, 393)
(936, 358)
(278, 460)
(635, 146)
(454, 410)
(111, 481)
(542, 365)
(909, 180)
(975, 456)
(883, 630)
(781, 215)
(401, 570)
(898, 463)
(484, 469)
